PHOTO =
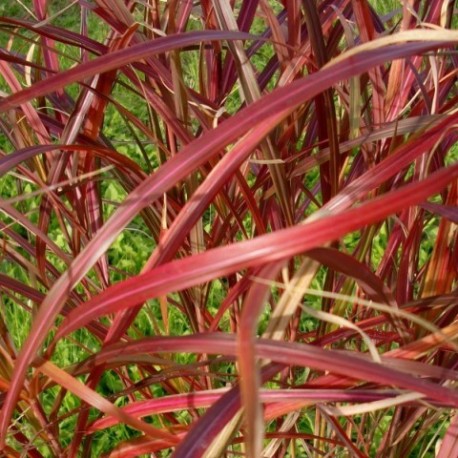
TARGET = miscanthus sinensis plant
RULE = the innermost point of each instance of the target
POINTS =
(228, 228)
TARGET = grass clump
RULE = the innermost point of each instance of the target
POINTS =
(228, 228)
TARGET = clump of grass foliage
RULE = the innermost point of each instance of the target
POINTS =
(228, 228)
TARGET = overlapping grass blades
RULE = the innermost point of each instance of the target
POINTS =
(228, 228)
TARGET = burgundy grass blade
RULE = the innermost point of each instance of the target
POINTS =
(223, 261)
